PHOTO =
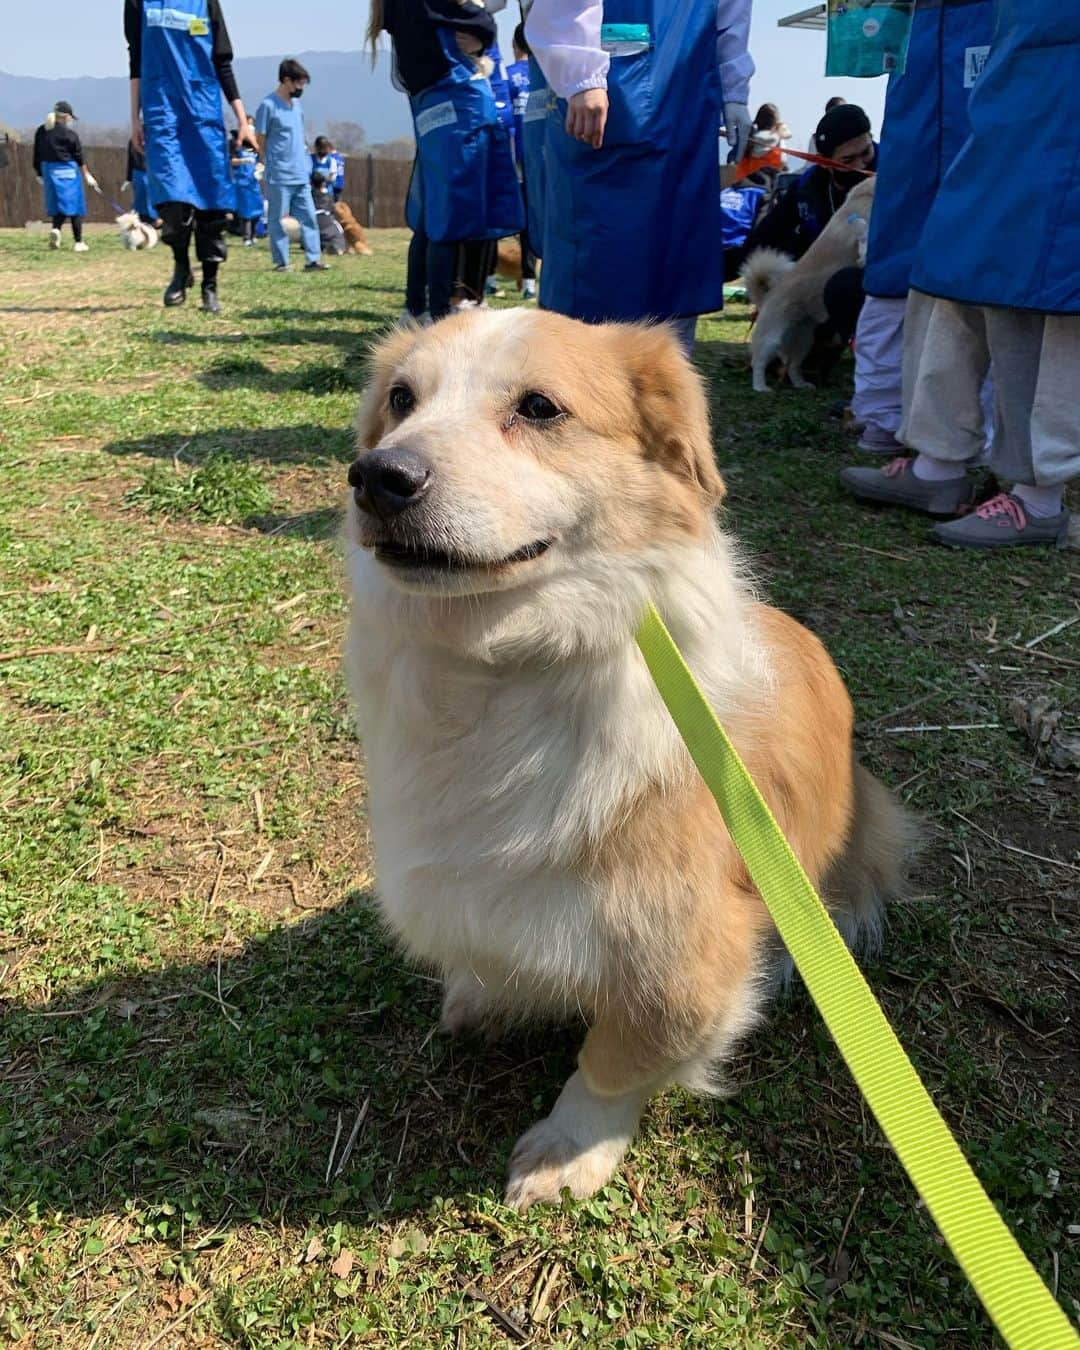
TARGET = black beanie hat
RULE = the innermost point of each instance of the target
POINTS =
(840, 124)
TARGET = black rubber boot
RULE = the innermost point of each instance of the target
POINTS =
(210, 302)
(176, 290)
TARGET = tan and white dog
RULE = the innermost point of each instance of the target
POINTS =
(790, 295)
(134, 233)
(524, 485)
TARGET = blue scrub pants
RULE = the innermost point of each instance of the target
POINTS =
(292, 199)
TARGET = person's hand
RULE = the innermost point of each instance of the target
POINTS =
(125, 185)
(586, 116)
(138, 137)
(91, 181)
(260, 170)
(40, 179)
(246, 136)
(738, 124)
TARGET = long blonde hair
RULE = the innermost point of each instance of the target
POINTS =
(374, 27)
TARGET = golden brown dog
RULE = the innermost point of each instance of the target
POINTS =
(524, 486)
(354, 231)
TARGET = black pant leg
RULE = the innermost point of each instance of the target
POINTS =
(76, 227)
(177, 225)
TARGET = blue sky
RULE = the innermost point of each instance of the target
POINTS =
(84, 37)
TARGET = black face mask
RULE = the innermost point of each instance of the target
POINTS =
(848, 180)
(297, 92)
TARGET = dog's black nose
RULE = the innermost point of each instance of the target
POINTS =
(385, 482)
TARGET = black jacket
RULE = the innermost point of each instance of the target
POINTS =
(59, 144)
(414, 26)
(800, 212)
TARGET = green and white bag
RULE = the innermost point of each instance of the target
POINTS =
(868, 37)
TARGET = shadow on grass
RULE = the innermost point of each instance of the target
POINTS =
(304, 444)
(215, 1088)
(317, 377)
(323, 523)
(348, 339)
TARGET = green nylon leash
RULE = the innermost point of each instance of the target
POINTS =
(1021, 1306)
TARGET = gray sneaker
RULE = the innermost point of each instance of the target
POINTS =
(896, 485)
(1002, 522)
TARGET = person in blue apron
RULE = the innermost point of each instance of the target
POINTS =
(337, 183)
(518, 76)
(924, 127)
(631, 217)
(247, 171)
(463, 184)
(60, 169)
(135, 179)
(995, 283)
(485, 251)
(180, 63)
(323, 160)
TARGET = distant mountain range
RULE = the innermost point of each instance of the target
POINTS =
(344, 88)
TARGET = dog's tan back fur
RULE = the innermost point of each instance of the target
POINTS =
(791, 295)
(541, 834)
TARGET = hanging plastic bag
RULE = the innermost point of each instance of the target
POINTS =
(868, 37)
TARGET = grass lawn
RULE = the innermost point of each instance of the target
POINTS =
(198, 1001)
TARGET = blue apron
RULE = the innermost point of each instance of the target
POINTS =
(518, 76)
(463, 184)
(632, 231)
(64, 195)
(925, 125)
(187, 151)
(249, 198)
(500, 87)
(1005, 227)
(533, 153)
(739, 208)
(140, 195)
(327, 166)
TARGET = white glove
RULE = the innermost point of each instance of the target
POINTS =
(260, 169)
(91, 181)
(738, 124)
(40, 179)
(125, 185)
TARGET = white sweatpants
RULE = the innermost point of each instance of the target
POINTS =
(879, 347)
(948, 351)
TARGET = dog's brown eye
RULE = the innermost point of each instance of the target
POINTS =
(402, 400)
(534, 407)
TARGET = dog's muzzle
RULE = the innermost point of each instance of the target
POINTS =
(386, 483)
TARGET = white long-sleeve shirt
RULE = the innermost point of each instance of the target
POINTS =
(565, 39)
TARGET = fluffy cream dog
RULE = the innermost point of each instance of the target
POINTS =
(524, 485)
(790, 295)
(134, 233)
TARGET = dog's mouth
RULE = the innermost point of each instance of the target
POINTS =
(418, 558)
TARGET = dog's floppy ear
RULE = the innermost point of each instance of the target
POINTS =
(670, 402)
(384, 360)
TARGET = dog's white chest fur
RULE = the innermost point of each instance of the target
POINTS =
(489, 783)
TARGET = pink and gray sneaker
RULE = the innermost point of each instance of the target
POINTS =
(1002, 522)
(897, 485)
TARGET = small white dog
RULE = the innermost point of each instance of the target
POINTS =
(134, 233)
(790, 295)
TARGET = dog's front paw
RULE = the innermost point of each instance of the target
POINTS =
(578, 1146)
(545, 1161)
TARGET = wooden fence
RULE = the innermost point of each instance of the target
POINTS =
(374, 188)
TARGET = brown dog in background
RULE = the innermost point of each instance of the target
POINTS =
(354, 231)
